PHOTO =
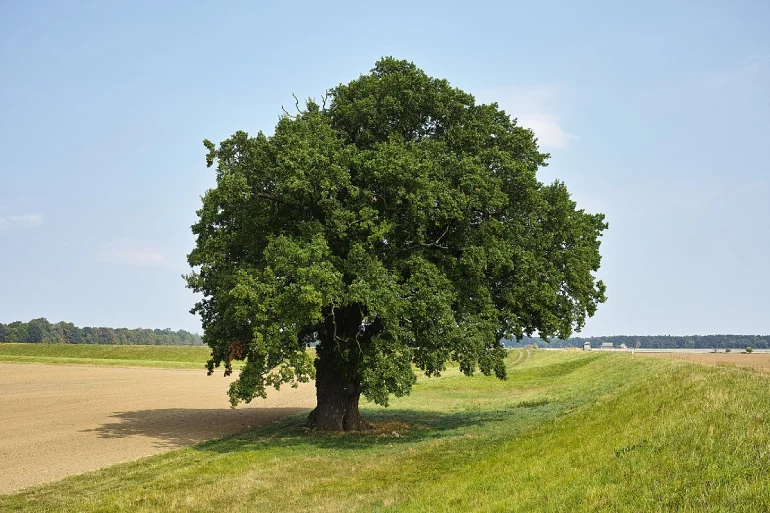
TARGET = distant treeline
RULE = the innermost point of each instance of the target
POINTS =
(662, 341)
(42, 331)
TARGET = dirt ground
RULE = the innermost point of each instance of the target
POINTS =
(758, 361)
(59, 420)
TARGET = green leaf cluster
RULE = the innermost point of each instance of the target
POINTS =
(398, 223)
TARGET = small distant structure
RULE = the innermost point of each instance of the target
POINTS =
(586, 346)
(607, 345)
(623, 346)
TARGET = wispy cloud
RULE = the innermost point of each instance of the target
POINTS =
(755, 63)
(21, 221)
(548, 130)
(535, 109)
(744, 71)
(132, 252)
(27, 220)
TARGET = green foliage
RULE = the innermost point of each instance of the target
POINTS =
(749, 349)
(42, 331)
(398, 223)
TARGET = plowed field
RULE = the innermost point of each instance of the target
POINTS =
(59, 420)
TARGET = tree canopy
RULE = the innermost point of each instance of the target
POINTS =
(397, 222)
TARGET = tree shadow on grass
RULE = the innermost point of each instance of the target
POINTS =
(393, 426)
(179, 427)
(248, 429)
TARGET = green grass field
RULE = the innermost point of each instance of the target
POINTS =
(568, 431)
(175, 357)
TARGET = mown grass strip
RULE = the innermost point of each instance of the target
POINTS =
(103, 362)
(176, 357)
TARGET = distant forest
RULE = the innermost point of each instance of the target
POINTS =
(661, 341)
(42, 331)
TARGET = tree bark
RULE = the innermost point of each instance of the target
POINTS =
(337, 402)
(338, 384)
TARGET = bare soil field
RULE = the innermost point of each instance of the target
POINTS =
(759, 361)
(62, 420)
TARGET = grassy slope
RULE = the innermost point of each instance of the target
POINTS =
(568, 431)
(189, 357)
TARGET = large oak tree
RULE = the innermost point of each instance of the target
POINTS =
(400, 222)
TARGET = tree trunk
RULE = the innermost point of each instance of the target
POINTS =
(338, 385)
(337, 403)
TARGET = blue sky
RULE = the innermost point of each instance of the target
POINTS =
(656, 114)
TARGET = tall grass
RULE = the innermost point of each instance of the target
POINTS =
(568, 431)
